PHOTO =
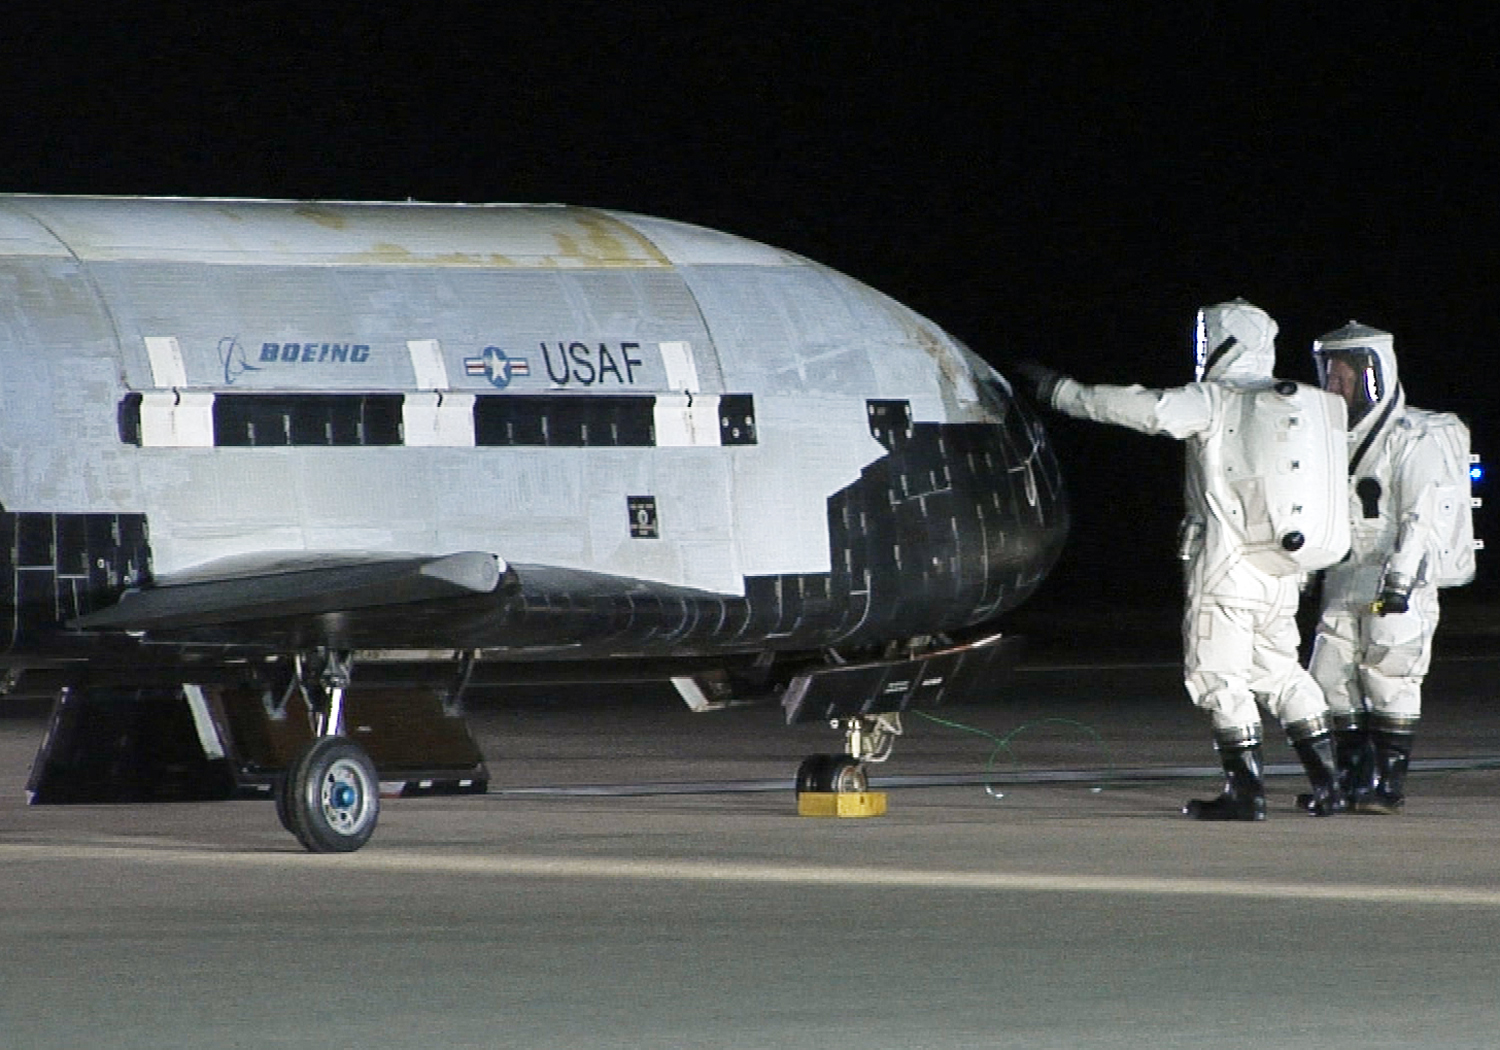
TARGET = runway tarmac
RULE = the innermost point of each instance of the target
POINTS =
(1047, 913)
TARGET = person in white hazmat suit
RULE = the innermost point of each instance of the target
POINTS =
(1373, 643)
(1240, 635)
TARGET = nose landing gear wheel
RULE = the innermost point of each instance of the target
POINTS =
(847, 776)
(330, 797)
(843, 774)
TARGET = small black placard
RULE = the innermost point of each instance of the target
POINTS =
(642, 517)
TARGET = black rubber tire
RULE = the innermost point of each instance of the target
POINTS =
(332, 796)
(283, 799)
(812, 774)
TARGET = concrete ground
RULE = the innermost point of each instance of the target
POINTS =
(1052, 908)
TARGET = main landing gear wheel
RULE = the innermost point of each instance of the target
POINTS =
(330, 797)
(842, 774)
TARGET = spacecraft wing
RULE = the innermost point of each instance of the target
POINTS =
(299, 586)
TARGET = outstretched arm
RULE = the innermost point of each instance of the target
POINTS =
(1178, 412)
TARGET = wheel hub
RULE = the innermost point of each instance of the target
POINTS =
(344, 801)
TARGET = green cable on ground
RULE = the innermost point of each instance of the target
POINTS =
(1002, 743)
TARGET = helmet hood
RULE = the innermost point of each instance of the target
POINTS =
(1234, 341)
(1359, 362)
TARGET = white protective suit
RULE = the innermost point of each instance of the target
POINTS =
(1368, 663)
(1240, 634)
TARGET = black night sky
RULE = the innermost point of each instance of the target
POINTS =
(1065, 182)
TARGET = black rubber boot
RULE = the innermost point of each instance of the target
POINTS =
(1327, 796)
(1243, 796)
(1354, 758)
(1392, 755)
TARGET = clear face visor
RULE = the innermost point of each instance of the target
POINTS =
(1205, 354)
(1200, 346)
(1354, 374)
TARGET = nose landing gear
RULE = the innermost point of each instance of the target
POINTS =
(867, 739)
